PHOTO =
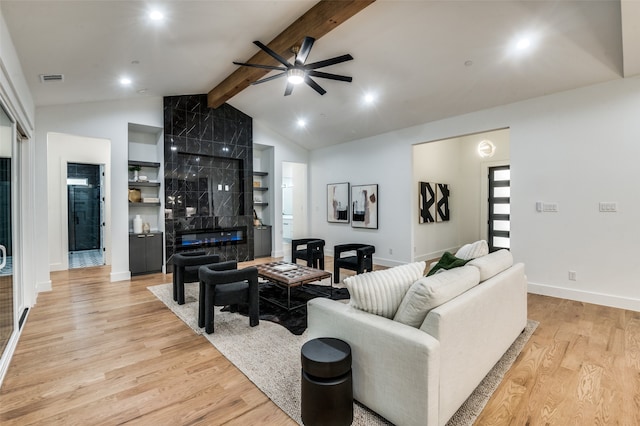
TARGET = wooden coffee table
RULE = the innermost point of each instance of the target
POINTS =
(289, 275)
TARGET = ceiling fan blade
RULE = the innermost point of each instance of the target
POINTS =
(273, 77)
(315, 86)
(328, 62)
(289, 89)
(330, 76)
(305, 48)
(266, 67)
(273, 54)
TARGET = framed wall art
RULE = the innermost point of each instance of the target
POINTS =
(442, 202)
(433, 202)
(338, 202)
(427, 202)
(364, 206)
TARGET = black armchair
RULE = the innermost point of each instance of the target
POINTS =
(223, 284)
(360, 262)
(185, 270)
(310, 250)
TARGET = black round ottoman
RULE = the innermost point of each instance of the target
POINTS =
(327, 392)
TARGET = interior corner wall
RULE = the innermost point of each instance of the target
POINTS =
(284, 150)
(574, 148)
(102, 120)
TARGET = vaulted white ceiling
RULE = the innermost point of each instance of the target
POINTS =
(423, 60)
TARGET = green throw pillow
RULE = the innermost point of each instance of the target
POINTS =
(447, 261)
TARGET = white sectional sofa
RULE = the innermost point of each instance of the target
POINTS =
(455, 326)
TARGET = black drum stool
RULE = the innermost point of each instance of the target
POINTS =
(327, 391)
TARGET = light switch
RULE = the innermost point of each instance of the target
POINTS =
(608, 206)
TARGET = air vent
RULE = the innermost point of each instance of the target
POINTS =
(48, 78)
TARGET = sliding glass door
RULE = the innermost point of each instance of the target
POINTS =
(7, 315)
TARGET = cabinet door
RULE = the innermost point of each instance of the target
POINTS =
(154, 252)
(137, 257)
(266, 241)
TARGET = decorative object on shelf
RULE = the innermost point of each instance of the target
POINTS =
(134, 195)
(433, 202)
(136, 170)
(142, 178)
(137, 224)
(364, 206)
(146, 228)
(338, 202)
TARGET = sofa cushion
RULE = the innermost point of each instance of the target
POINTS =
(430, 292)
(447, 261)
(473, 250)
(493, 263)
(380, 292)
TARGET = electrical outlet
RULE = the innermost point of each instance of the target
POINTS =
(550, 207)
(390, 251)
(572, 275)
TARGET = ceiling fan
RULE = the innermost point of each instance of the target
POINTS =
(299, 72)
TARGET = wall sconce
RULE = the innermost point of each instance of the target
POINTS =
(486, 148)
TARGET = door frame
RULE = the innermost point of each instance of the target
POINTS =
(484, 194)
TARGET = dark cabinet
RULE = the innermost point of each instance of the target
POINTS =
(262, 241)
(145, 253)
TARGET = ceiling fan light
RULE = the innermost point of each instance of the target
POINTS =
(295, 76)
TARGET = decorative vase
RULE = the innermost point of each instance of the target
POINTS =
(135, 175)
(137, 224)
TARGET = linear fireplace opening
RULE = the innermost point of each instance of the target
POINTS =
(198, 238)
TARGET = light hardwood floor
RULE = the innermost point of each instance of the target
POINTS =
(96, 352)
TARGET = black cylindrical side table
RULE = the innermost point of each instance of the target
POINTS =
(327, 391)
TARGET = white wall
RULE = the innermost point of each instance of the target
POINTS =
(575, 148)
(63, 149)
(284, 150)
(102, 120)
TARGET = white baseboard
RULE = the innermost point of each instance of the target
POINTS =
(386, 262)
(585, 296)
(43, 286)
(120, 276)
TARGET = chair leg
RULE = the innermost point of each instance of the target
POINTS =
(180, 285)
(336, 274)
(208, 315)
(201, 304)
(254, 311)
(321, 262)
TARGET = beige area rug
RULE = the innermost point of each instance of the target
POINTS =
(269, 355)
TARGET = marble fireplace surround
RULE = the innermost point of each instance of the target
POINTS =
(208, 169)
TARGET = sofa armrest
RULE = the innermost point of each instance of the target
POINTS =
(395, 367)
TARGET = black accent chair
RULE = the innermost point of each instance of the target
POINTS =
(185, 270)
(361, 262)
(310, 250)
(223, 284)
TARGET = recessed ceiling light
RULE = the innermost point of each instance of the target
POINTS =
(369, 98)
(156, 15)
(523, 43)
(301, 122)
(125, 81)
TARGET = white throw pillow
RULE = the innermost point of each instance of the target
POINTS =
(473, 250)
(430, 292)
(380, 292)
(493, 263)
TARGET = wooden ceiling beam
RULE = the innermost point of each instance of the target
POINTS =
(316, 22)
